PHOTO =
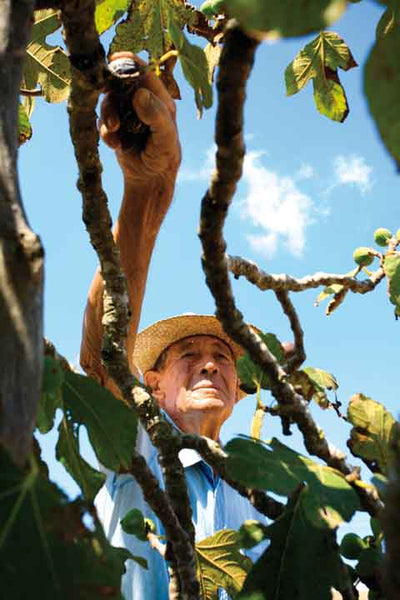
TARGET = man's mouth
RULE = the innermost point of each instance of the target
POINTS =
(206, 386)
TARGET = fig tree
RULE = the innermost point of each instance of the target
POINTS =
(363, 256)
(352, 546)
(53, 375)
(382, 236)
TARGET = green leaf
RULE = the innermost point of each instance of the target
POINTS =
(285, 18)
(251, 375)
(319, 60)
(335, 288)
(387, 22)
(67, 452)
(372, 433)
(50, 397)
(24, 125)
(321, 380)
(148, 26)
(46, 65)
(391, 267)
(46, 551)
(382, 88)
(220, 564)
(213, 55)
(301, 562)
(111, 425)
(194, 67)
(109, 12)
(328, 498)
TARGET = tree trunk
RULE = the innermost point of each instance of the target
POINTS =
(21, 253)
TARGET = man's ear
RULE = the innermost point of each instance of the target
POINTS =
(152, 380)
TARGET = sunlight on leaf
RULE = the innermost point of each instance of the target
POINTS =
(372, 432)
(220, 564)
(328, 498)
(46, 65)
(109, 12)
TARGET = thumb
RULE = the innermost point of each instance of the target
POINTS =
(148, 107)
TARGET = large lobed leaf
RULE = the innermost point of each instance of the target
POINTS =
(328, 498)
(147, 26)
(382, 84)
(285, 18)
(46, 65)
(111, 425)
(319, 60)
(372, 433)
(220, 564)
(302, 561)
(61, 557)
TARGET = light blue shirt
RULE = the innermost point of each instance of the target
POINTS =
(214, 503)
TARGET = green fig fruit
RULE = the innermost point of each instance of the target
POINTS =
(352, 546)
(363, 256)
(212, 8)
(135, 524)
(382, 236)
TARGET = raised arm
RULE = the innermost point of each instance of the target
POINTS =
(149, 179)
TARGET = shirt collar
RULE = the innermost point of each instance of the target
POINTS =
(187, 456)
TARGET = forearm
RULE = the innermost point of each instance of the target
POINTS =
(142, 212)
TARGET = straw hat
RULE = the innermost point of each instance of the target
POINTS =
(153, 340)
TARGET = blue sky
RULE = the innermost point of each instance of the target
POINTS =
(312, 191)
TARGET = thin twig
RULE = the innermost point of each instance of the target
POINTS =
(240, 267)
(235, 64)
(299, 356)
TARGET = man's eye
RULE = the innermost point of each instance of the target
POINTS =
(188, 355)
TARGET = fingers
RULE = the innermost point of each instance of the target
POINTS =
(153, 112)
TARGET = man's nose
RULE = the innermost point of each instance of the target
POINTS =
(209, 368)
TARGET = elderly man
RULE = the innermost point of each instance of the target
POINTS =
(188, 361)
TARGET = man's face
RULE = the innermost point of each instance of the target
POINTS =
(198, 383)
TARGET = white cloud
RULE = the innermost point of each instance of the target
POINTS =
(305, 172)
(202, 172)
(353, 170)
(275, 205)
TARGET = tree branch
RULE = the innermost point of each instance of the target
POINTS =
(214, 455)
(89, 73)
(21, 254)
(299, 356)
(236, 61)
(240, 267)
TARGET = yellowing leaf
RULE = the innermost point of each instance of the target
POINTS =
(372, 432)
(108, 12)
(46, 65)
(319, 60)
(220, 564)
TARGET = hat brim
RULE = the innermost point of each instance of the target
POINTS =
(152, 341)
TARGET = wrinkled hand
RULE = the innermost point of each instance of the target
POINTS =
(154, 106)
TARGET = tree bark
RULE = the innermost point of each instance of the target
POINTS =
(21, 253)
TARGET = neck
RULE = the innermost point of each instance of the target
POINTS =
(198, 425)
